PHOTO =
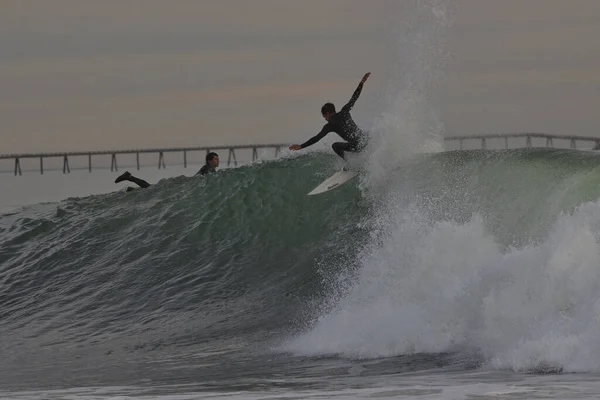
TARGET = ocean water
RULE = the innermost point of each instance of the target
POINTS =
(474, 274)
(436, 274)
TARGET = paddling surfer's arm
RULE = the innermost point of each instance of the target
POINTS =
(326, 129)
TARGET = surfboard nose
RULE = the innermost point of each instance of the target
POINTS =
(335, 180)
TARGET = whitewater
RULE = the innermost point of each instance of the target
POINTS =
(435, 275)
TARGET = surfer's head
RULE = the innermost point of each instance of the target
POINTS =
(212, 159)
(327, 110)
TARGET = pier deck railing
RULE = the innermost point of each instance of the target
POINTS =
(161, 158)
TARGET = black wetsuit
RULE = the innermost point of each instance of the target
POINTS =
(128, 177)
(342, 124)
(206, 169)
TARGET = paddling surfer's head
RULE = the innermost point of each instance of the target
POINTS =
(327, 110)
(212, 159)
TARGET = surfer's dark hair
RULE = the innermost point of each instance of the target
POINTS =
(210, 156)
(327, 108)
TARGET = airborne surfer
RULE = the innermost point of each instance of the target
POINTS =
(341, 123)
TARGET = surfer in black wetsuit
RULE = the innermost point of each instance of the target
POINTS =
(341, 123)
(212, 162)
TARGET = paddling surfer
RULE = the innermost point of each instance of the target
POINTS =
(212, 162)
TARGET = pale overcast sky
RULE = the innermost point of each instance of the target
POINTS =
(115, 74)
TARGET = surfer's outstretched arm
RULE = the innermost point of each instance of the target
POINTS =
(326, 129)
(356, 94)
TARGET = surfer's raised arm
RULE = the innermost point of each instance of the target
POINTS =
(356, 93)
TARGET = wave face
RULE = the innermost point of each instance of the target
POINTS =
(490, 254)
(223, 256)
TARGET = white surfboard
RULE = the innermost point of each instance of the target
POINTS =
(337, 179)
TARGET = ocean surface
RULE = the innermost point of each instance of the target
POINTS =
(435, 274)
(455, 275)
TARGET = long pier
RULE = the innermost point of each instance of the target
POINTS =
(160, 152)
(529, 136)
(573, 139)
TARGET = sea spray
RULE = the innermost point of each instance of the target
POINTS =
(408, 123)
(486, 253)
